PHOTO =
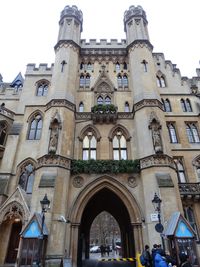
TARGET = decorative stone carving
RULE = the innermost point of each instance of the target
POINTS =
(55, 125)
(196, 162)
(78, 181)
(60, 103)
(148, 103)
(190, 190)
(155, 127)
(54, 161)
(157, 161)
(132, 182)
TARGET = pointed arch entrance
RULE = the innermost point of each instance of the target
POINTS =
(105, 194)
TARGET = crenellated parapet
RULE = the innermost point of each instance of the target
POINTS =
(42, 69)
(103, 48)
(134, 12)
(72, 12)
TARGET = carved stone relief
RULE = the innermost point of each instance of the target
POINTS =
(78, 181)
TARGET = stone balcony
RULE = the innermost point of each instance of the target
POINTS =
(104, 114)
(190, 191)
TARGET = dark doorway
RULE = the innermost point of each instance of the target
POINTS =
(105, 200)
(13, 242)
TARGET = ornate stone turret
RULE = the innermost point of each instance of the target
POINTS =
(135, 24)
(67, 54)
(71, 20)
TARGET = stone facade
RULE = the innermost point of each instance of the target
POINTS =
(103, 101)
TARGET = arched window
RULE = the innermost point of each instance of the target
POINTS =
(126, 107)
(172, 133)
(82, 80)
(35, 128)
(119, 146)
(117, 66)
(125, 66)
(81, 107)
(89, 146)
(183, 105)
(107, 100)
(125, 80)
(144, 63)
(167, 105)
(100, 100)
(189, 215)
(198, 173)
(27, 177)
(42, 88)
(119, 80)
(188, 105)
(180, 170)
(192, 133)
(82, 66)
(87, 80)
(3, 132)
(89, 66)
(161, 81)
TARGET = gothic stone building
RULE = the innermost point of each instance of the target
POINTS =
(107, 126)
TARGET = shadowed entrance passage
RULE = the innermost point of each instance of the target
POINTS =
(105, 200)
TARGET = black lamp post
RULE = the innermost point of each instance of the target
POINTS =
(159, 227)
(45, 204)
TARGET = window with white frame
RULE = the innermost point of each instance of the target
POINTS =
(192, 133)
(119, 146)
(89, 146)
(172, 133)
(180, 170)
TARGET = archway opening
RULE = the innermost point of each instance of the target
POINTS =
(105, 200)
(105, 236)
(13, 244)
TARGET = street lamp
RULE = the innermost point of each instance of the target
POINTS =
(159, 227)
(45, 204)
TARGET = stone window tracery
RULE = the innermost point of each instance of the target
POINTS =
(85, 80)
(89, 146)
(166, 105)
(27, 176)
(42, 88)
(180, 170)
(172, 133)
(186, 105)
(35, 128)
(192, 133)
(160, 81)
(119, 146)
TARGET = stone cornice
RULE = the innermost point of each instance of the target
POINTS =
(60, 103)
(139, 43)
(67, 43)
(148, 103)
(53, 161)
(161, 160)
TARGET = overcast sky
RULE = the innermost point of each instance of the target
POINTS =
(29, 30)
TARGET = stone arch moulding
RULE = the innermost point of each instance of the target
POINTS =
(35, 113)
(123, 129)
(113, 185)
(15, 207)
(91, 128)
(196, 161)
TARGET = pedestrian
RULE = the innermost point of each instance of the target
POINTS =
(160, 260)
(102, 250)
(145, 258)
(153, 253)
(107, 250)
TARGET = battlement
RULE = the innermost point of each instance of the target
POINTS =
(72, 12)
(42, 69)
(134, 11)
(103, 43)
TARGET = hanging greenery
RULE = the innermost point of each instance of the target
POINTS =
(100, 108)
(105, 166)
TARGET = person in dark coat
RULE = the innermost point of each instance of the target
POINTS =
(147, 256)
(153, 253)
